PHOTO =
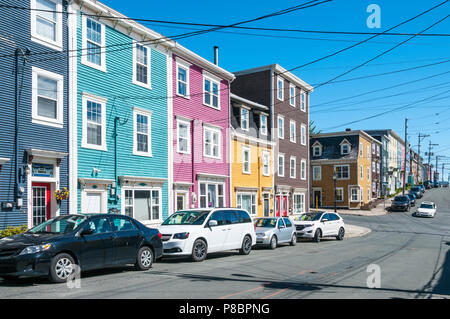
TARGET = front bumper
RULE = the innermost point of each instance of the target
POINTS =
(399, 208)
(176, 247)
(262, 240)
(423, 214)
(305, 233)
(25, 265)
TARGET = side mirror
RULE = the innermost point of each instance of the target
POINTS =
(86, 232)
(212, 223)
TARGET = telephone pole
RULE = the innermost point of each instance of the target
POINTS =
(429, 159)
(421, 137)
(406, 152)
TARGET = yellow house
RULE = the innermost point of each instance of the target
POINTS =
(251, 157)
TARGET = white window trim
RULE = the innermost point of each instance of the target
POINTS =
(320, 173)
(349, 149)
(295, 167)
(278, 163)
(147, 113)
(212, 80)
(341, 189)
(214, 130)
(149, 66)
(303, 93)
(246, 149)
(291, 86)
(361, 149)
(320, 150)
(358, 195)
(37, 119)
(35, 37)
(303, 135)
(278, 130)
(266, 153)
(188, 123)
(187, 68)
(216, 184)
(253, 204)
(103, 198)
(303, 171)
(247, 119)
(290, 131)
(261, 116)
(84, 56)
(150, 189)
(102, 102)
(282, 88)
(338, 178)
(294, 202)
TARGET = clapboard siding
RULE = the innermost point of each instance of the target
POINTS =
(15, 32)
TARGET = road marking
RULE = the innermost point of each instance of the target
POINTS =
(275, 293)
(241, 292)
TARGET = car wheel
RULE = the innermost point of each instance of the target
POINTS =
(273, 242)
(246, 245)
(199, 250)
(341, 234)
(61, 267)
(293, 240)
(144, 259)
(317, 236)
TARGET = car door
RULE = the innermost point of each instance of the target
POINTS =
(235, 230)
(289, 228)
(282, 232)
(216, 235)
(96, 249)
(325, 225)
(334, 224)
(126, 241)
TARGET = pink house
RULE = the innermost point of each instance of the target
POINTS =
(201, 159)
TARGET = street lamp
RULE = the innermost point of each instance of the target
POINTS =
(334, 181)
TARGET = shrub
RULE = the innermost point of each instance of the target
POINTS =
(10, 231)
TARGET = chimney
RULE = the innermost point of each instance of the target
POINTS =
(348, 129)
(216, 55)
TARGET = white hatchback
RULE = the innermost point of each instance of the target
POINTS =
(317, 225)
(426, 209)
(198, 232)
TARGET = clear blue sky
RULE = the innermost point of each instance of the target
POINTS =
(241, 51)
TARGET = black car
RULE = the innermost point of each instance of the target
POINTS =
(412, 199)
(92, 241)
(400, 203)
(416, 191)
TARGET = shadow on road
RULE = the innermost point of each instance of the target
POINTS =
(443, 285)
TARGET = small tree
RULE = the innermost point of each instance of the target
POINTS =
(313, 128)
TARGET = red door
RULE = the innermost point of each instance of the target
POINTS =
(285, 201)
(281, 205)
(41, 200)
(277, 206)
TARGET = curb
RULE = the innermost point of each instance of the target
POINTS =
(352, 231)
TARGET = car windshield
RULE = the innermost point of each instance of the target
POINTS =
(266, 222)
(59, 225)
(426, 206)
(186, 218)
(401, 199)
(312, 216)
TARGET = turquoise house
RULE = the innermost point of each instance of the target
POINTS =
(121, 113)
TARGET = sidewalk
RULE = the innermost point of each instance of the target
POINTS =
(376, 211)
(352, 231)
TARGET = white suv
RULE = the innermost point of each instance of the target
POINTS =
(198, 232)
(316, 225)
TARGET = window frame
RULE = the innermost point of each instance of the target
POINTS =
(265, 131)
(283, 163)
(348, 147)
(293, 158)
(149, 189)
(303, 100)
(303, 169)
(280, 79)
(342, 195)
(314, 173)
(295, 209)
(314, 150)
(148, 113)
(282, 127)
(246, 119)
(212, 80)
(254, 200)
(149, 65)
(187, 68)
(246, 149)
(216, 185)
(292, 129)
(343, 165)
(99, 100)
(35, 37)
(291, 96)
(84, 40)
(219, 146)
(303, 135)
(266, 154)
(188, 124)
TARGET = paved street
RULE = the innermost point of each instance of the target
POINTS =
(413, 253)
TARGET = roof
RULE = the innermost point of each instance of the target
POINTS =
(248, 102)
(347, 133)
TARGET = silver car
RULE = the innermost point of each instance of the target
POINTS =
(271, 231)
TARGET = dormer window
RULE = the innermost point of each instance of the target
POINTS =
(345, 148)
(317, 150)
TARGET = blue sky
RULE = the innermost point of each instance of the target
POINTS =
(241, 51)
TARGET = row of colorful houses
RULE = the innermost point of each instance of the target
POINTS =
(131, 121)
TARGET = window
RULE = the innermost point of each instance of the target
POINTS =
(141, 68)
(339, 194)
(293, 166)
(183, 80)
(361, 149)
(345, 149)
(373, 167)
(212, 195)
(46, 23)
(211, 92)
(303, 170)
(361, 172)
(317, 150)
(280, 127)
(292, 95)
(368, 151)
(292, 135)
(354, 194)
(378, 168)
(280, 89)
(245, 160)
(122, 224)
(142, 132)
(368, 194)
(211, 142)
(299, 203)
(303, 101)
(317, 173)
(378, 150)
(100, 225)
(244, 119)
(266, 163)
(281, 165)
(263, 124)
(94, 122)
(373, 149)
(143, 204)
(342, 171)
(93, 44)
(47, 98)
(368, 173)
(303, 134)
(247, 201)
(183, 137)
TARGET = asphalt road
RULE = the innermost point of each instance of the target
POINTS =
(413, 255)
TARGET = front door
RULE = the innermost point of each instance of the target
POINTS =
(317, 198)
(180, 201)
(266, 206)
(281, 205)
(41, 203)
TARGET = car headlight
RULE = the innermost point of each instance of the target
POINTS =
(261, 234)
(181, 236)
(309, 225)
(35, 249)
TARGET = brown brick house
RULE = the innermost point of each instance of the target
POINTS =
(288, 97)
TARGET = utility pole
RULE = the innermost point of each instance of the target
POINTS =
(429, 158)
(421, 137)
(442, 178)
(406, 152)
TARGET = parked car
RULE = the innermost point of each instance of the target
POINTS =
(445, 184)
(422, 188)
(436, 184)
(198, 232)
(317, 225)
(400, 203)
(54, 247)
(416, 191)
(412, 199)
(271, 231)
(428, 184)
(426, 209)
